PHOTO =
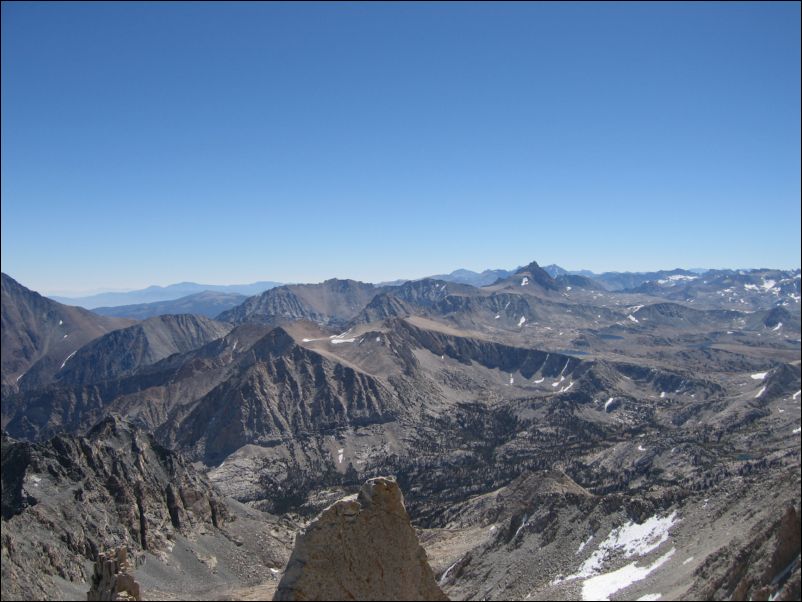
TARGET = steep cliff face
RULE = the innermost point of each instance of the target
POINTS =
(360, 548)
(73, 497)
(489, 354)
(763, 566)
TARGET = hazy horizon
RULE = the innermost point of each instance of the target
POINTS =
(150, 143)
(101, 290)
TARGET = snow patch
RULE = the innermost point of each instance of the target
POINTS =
(442, 579)
(68, 357)
(608, 402)
(521, 321)
(539, 380)
(648, 597)
(633, 318)
(338, 341)
(779, 325)
(759, 375)
(340, 455)
(675, 278)
(631, 539)
(628, 540)
(583, 544)
(759, 393)
(525, 281)
(523, 524)
(603, 586)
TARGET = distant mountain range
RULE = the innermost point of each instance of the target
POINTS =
(611, 281)
(211, 300)
(171, 292)
(206, 303)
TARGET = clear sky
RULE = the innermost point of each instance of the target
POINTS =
(151, 143)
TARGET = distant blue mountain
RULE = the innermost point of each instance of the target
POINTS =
(554, 270)
(153, 294)
(474, 278)
(207, 303)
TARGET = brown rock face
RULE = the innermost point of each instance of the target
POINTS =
(360, 548)
(111, 580)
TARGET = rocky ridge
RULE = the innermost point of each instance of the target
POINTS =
(75, 496)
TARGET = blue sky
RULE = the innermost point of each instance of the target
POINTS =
(151, 143)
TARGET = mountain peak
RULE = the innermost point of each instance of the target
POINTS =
(533, 266)
(538, 275)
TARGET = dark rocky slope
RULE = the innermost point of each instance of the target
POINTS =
(38, 330)
(333, 302)
(71, 498)
(125, 351)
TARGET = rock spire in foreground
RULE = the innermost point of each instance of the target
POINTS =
(362, 547)
(111, 580)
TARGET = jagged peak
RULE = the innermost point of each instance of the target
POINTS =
(532, 266)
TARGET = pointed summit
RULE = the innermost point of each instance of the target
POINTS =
(362, 547)
(537, 275)
(529, 268)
